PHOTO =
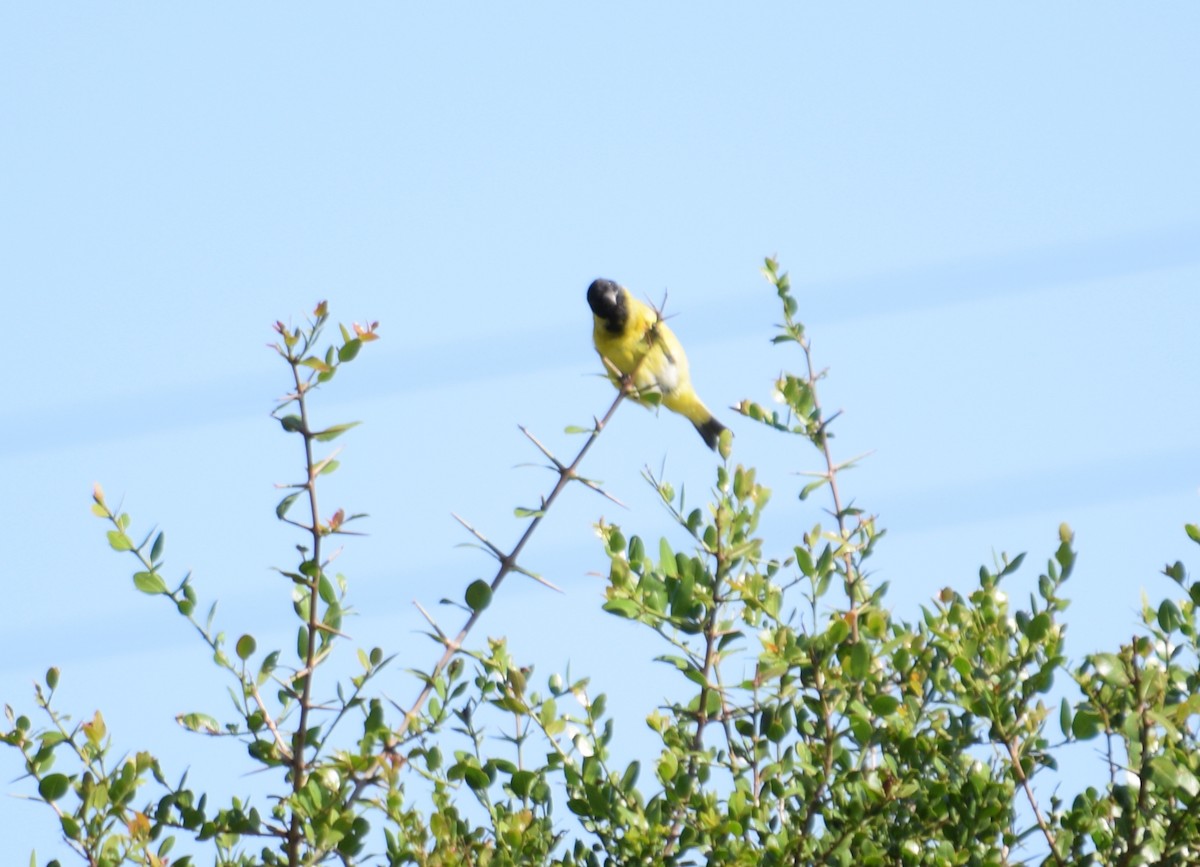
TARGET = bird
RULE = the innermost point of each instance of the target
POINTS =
(632, 337)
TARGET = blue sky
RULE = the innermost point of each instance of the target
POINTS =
(991, 216)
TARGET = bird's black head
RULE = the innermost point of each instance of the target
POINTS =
(607, 301)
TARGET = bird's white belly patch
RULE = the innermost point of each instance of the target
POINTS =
(668, 377)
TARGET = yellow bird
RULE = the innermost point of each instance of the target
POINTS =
(632, 336)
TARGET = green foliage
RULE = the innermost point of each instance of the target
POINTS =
(809, 724)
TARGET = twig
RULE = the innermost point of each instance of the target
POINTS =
(1037, 811)
(299, 775)
(709, 669)
(821, 439)
(508, 563)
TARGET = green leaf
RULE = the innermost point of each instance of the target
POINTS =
(1110, 669)
(479, 595)
(198, 722)
(548, 711)
(884, 704)
(629, 779)
(476, 778)
(1173, 777)
(286, 503)
(522, 782)
(1064, 555)
(668, 767)
(666, 558)
(54, 786)
(292, 423)
(860, 661)
(616, 542)
(1169, 616)
(349, 350)
(156, 549)
(332, 618)
(824, 562)
(119, 541)
(1086, 725)
(325, 590)
(637, 550)
(622, 608)
(245, 647)
(522, 512)
(149, 582)
(335, 431)
(810, 487)
(1038, 627)
(678, 661)
(860, 726)
(1065, 718)
(1193, 532)
(576, 429)
(684, 595)
(316, 364)
(52, 678)
(1013, 565)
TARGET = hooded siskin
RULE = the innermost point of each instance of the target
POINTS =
(631, 336)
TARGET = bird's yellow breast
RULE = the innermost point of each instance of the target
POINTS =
(645, 344)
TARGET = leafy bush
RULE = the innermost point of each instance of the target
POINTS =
(813, 727)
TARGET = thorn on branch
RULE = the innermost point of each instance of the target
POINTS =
(429, 619)
(820, 431)
(557, 463)
(536, 577)
(496, 552)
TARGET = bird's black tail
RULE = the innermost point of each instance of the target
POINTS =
(710, 430)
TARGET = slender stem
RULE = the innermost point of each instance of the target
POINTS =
(708, 670)
(1015, 756)
(813, 803)
(268, 720)
(1143, 770)
(299, 762)
(821, 438)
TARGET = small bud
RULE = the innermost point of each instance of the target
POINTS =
(725, 444)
